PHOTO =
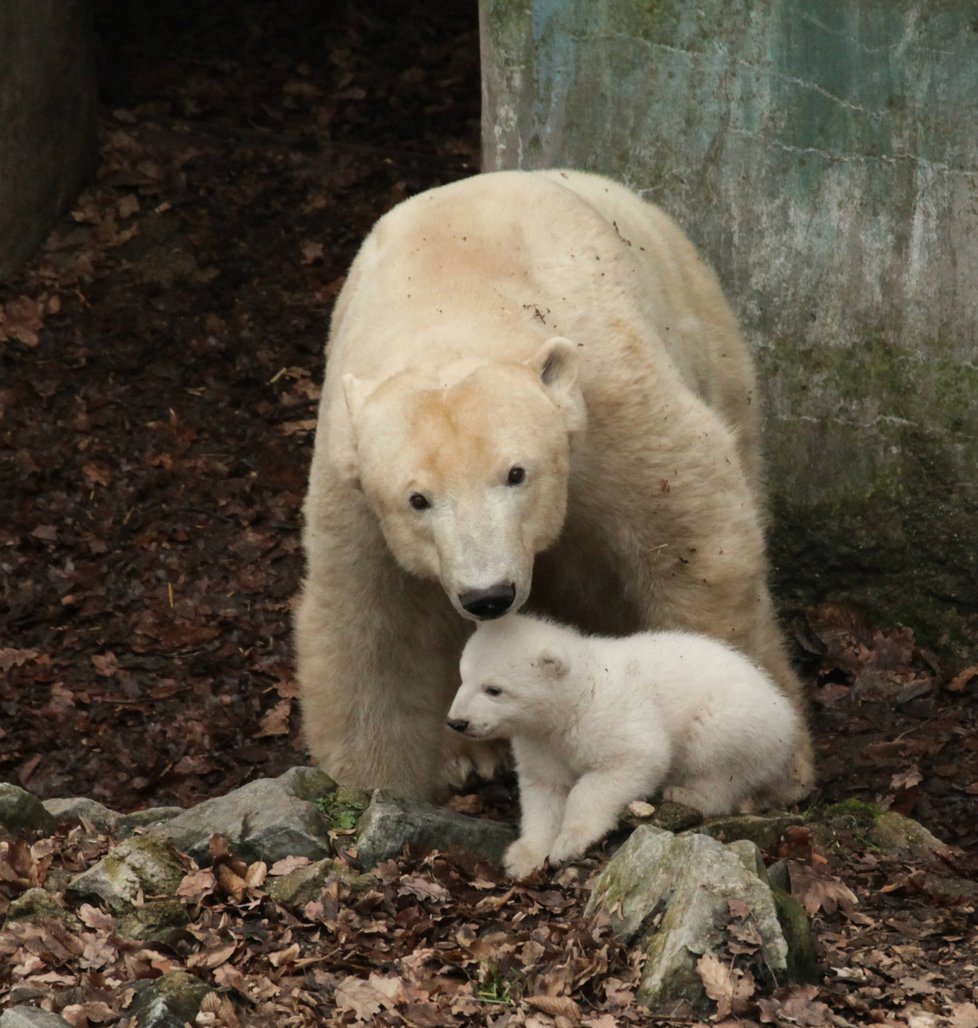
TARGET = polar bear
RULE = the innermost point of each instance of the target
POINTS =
(535, 396)
(597, 722)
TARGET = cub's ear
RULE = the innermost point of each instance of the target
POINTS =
(556, 363)
(553, 663)
(343, 427)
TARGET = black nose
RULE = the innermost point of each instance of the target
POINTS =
(457, 725)
(490, 603)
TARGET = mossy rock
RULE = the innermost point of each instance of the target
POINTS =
(159, 921)
(764, 830)
(36, 905)
(305, 884)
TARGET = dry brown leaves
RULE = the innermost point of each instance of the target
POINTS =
(441, 941)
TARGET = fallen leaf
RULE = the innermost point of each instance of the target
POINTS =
(963, 1015)
(817, 890)
(312, 253)
(962, 678)
(210, 958)
(284, 956)
(365, 999)
(730, 988)
(21, 319)
(795, 1004)
(275, 721)
(288, 864)
(907, 779)
(556, 1006)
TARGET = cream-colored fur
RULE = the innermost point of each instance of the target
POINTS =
(597, 722)
(543, 324)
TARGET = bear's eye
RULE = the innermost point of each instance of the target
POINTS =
(516, 476)
(492, 690)
(419, 502)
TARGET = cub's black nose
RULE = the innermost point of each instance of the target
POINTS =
(490, 603)
(457, 724)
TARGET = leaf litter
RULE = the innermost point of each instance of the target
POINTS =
(160, 360)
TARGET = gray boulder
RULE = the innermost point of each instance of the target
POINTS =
(170, 1001)
(267, 819)
(23, 814)
(25, 1016)
(672, 895)
(135, 870)
(390, 822)
(105, 820)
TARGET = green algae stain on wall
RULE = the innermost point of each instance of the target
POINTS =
(824, 158)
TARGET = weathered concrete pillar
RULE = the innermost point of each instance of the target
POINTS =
(824, 156)
(47, 117)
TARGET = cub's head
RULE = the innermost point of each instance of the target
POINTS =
(468, 478)
(511, 671)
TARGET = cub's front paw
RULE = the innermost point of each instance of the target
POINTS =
(521, 859)
(568, 845)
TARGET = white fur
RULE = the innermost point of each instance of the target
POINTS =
(551, 321)
(597, 722)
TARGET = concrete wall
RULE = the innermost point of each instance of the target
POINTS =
(47, 117)
(824, 156)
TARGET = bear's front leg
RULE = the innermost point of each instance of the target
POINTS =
(377, 655)
(593, 806)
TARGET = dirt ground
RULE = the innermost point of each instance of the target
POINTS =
(159, 371)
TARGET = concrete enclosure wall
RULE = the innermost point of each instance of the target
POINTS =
(825, 159)
(47, 117)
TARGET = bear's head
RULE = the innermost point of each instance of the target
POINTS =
(468, 476)
(512, 671)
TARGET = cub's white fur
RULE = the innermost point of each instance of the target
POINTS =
(597, 722)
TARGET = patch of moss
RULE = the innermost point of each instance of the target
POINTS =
(343, 808)
(859, 811)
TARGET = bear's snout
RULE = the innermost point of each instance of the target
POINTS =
(458, 725)
(486, 604)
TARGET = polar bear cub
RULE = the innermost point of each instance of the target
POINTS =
(597, 722)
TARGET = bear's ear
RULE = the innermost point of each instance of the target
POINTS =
(556, 364)
(553, 663)
(356, 390)
(343, 428)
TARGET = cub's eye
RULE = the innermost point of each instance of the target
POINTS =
(516, 476)
(492, 690)
(419, 502)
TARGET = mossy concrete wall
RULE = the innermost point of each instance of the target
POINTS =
(47, 117)
(825, 159)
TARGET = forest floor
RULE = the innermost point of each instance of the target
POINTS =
(159, 370)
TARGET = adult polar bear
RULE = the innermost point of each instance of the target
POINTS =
(529, 374)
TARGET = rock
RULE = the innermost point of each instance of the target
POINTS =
(40, 905)
(802, 959)
(160, 920)
(74, 808)
(306, 883)
(905, 837)
(267, 819)
(390, 822)
(23, 814)
(106, 821)
(672, 817)
(171, 1001)
(764, 830)
(25, 1016)
(131, 873)
(686, 883)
